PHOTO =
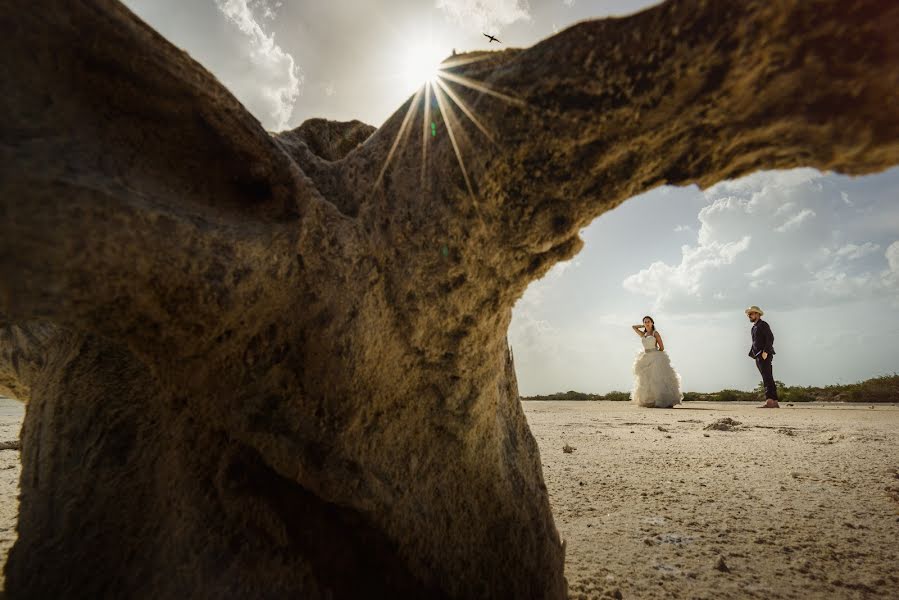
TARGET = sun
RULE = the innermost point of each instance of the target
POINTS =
(421, 64)
(427, 72)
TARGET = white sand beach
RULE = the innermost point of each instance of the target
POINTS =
(11, 414)
(800, 502)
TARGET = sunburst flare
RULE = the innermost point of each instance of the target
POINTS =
(437, 87)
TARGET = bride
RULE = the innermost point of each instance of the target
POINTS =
(656, 383)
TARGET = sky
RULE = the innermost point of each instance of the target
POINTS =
(819, 252)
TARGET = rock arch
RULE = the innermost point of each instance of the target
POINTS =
(265, 365)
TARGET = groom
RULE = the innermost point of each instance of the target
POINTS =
(762, 351)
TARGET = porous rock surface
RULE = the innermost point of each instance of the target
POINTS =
(265, 365)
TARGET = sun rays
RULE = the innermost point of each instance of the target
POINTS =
(400, 135)
(448, 118)
(465, 109)
(438, 102)
(426, 130)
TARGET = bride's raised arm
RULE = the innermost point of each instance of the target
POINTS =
(637, 329)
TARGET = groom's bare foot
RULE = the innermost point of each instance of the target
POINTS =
(769, 403)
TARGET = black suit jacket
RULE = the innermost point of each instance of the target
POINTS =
(762, 339)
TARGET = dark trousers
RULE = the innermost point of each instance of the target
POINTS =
(767, 376)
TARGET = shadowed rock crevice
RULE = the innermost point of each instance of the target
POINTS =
(286, 347)
(329, 140)
(316, 145)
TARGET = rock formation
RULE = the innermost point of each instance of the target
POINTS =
(271, 365)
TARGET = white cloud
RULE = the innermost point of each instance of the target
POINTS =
(274, 83)
(762, 180)
(839, 284)
(855, 252)
(531, 332)
(890, 277)
(795, 221)
(268, 8)
(666, 282)
(761, 270)
(778, 238)
(559, 268)
(892, 255)
(486, 15)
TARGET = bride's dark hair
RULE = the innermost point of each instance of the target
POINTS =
(651, 320)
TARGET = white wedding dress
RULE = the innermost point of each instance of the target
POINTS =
(656, 383)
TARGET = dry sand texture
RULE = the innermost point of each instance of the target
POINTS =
(11, 414)
(801, 502)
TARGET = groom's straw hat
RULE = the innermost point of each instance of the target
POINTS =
(755, 308)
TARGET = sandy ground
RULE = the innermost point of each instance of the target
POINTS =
(800, 502)
(11, 414)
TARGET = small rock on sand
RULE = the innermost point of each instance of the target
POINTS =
(720, 565)
(725, 424)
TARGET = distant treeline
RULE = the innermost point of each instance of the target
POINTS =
(879, 389)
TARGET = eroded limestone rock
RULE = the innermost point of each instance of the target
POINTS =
(279, 367)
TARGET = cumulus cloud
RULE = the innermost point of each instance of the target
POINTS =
(536, 340)
(795, 221)
(761, 270)
(891, 274)
(666, 282)
(270, 84)
(775, 238)
(531, 332)
(854, 252)
(560, 267)
(267, 8)
(486, 15)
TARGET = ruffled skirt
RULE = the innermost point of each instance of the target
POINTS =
(656, 383)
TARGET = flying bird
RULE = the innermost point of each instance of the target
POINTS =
(492, 39)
